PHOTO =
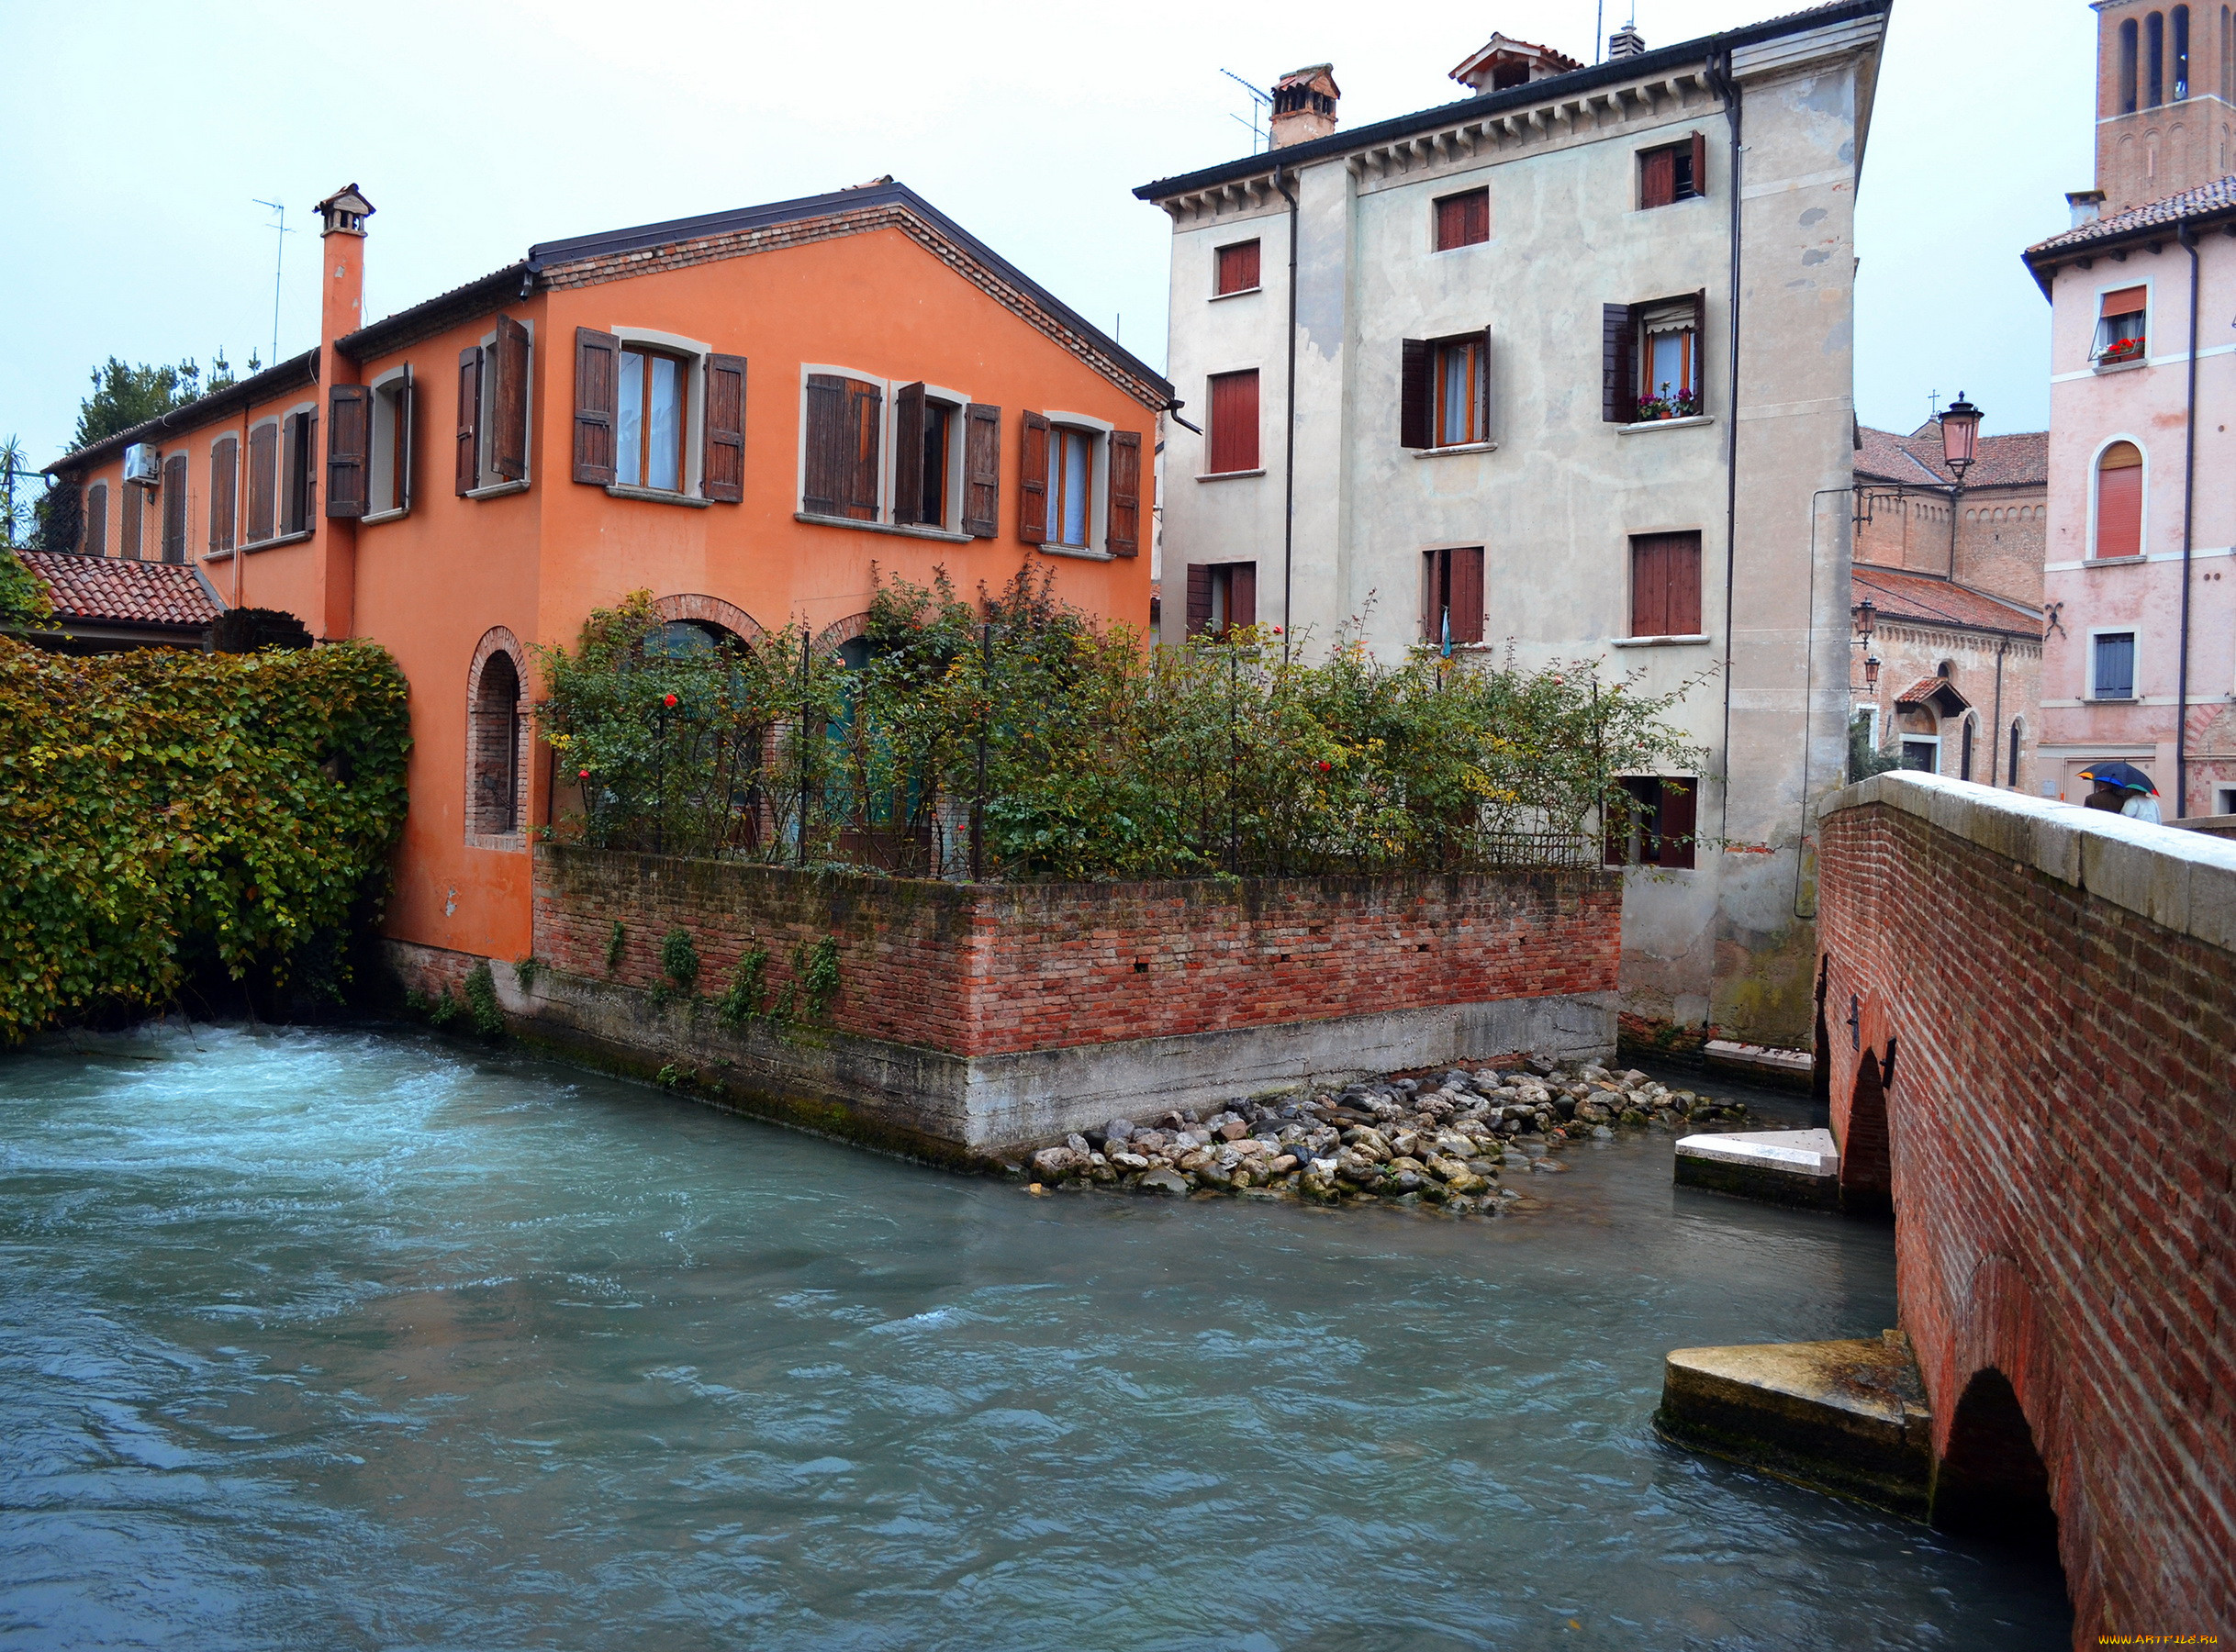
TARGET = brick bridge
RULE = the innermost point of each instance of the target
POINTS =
(2026, 1018)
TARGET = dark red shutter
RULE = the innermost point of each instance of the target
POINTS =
(1648, 586)
(1198, 598)
(224, 490)
(1475, 217)
(597, 386)
(909, 454)
(349, 449)
(468, 476)
(865, 413)
(1466, 598)
(722, 467)
(508, 435)
(1416, 394)
(175, 509)
(407, 434)
(1700, 164)
(1238, 267)
(982, 471)
(1677, 813)
(1618, 396)
(96, 519)
(1657, 177)
(263, 481)
(825, 445)
(1241, 594)
(1032, 481)
(1615, 825)
(1125, 492)
(1434, 582)
(1683, 565)
(1233, 422)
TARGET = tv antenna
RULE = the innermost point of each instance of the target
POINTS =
(278, 264)
(1259, 101)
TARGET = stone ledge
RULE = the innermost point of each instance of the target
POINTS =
(1778, 1166)
(2184, 881)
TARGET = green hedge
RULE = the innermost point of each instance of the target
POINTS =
(161, 809)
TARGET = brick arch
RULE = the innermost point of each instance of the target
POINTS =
(497, 748)
(841, 632)
(711, 610)
(2002, 1452)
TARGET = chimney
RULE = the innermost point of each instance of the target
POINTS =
(341, 264)
(1502, 64)
(1625, 42)
(332, 611)
(1304, 105)
(2087, 206)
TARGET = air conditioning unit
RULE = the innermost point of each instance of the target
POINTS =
(143, 464)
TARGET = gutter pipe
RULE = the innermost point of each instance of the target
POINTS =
(1289, 456)
(2187, 234)
(1718, 68)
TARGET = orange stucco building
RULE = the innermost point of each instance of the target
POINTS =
(740, 413)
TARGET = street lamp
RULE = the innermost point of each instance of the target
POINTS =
(1960, 436)
(1871, 674)
(1867, 615)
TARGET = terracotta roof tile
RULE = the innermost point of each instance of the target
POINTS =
(2219, 195)
(1924, 690)
(113, 591)
(2018, 459)
(1919, 598)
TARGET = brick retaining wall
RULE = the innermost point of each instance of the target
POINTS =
(2057, 990)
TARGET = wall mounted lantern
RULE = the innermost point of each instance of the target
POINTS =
(1960, 436)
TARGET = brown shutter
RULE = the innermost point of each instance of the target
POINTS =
(1700, 164)
(1125, 492)
(1615, 825)
(1683, 561)
(1432, 593)
(722, 470)
(1484, 398)
(131, 507)
(909, 453)
(1700, 347)
(508, 434)
(1648, 586)
(349, 449)
(406, 428)
(597, 383)
(982, 471)
(224, 490)
(263, 482)
(468, 476)
(1198, 598)
(1416, 396)
(824, 445)
(865, 409)
(175, 509)
(1618, 396)
(1467, 598)
(1657, 177)
(1241, 594)
(96, 519)
(1233, 422)
(1032, 481)
(1676, 819)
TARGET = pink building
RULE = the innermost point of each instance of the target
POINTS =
(2139, 656)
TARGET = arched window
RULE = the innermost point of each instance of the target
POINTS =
(494, 801)
(1964, 744)
(2011, 771)
(2129, 38)
(2154, 48)
(2119, 500)
(2228, 54)
(2181, 53)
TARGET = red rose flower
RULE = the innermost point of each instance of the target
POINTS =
(669, 701)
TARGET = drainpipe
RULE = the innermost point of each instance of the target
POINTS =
(1718, 71)
(1289, 456)
(2186, 234)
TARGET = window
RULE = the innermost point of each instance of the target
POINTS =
(925, 453)
(1233, 422)
(1064, 481)
(2129, 35)
(1463, 391)
(1222, 597)
(1237, 269)
(1922, 753)
(1665, 584)
(2011, 771)
(658, 414)
(1452, 609)
(494, 802)
(843, 419)
(2119, 501)
(391, 475)
(2122, 333)
(1673, 173)
(263, 482)
(1966, 735)
(1651, 821)
(2112, 665)
(1072, 476)
(299, 452)
(131, 507)
(2226, 805)
(1463, 220)
(1650, 360)
(649, 418)
(96, 519)
(493, 379)
(2154, 35)
(2181, 53)
(224, 491)
(175, 509)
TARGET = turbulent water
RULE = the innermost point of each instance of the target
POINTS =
(330, 1340)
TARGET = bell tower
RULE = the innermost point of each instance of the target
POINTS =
(2166, 98)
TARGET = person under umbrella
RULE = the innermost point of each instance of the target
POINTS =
(2122, 789)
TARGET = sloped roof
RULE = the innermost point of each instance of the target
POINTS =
(2204, 201)
(1922, 599)
(1928, 690)
(2021, 458)
(115, 591)
(276, 380)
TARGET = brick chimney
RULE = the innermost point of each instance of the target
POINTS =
(341, 264)
(1304, 105)
(341, 292)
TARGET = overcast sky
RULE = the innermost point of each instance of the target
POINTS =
(137, 138)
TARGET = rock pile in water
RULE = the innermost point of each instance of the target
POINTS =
(1447, 1142)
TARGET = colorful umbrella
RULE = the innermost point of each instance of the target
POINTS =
(2125, 775)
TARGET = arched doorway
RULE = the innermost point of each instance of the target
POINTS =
(498, 744)
(1992, 1481)
(1867, 1173)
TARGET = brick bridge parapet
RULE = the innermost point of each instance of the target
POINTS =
(2028, 1017)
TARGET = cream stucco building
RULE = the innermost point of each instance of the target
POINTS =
(1568, 366)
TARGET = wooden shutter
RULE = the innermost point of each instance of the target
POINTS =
(175, 509)
(1618, 396)
(1657, 177)
(1125, 492)
(1614, 821)
(1198, 598)
(865, 411)
(1483, 394)
(1676, 814)
(1416, 394)
(1700, 163)
(96, 519)
(1233, 422)
(406, 428)
(349, 449)
(982, 470)
(1650, 586)
(508, 434)
(224, 491)
(824, 444)
(2127, 301)
(722, 467)
(1032, 481)
(1433, 581)
(263, 482)
(1239, 268)
(1700, 347)
(1466, 593)
(1683, 574)
(909, 453)
(131, 507)
(2119, 501)
(596, 385)
(468, 476)
(1241, 594)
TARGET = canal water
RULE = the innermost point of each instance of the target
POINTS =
(340, 1339)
